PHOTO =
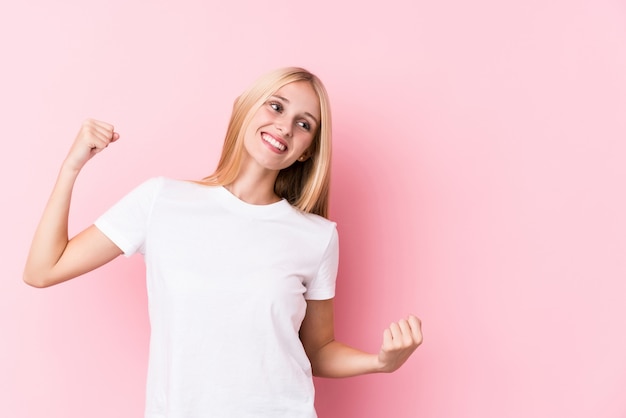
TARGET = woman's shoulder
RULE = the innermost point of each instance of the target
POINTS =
(163, 187)
(166, 182)
(313, 221)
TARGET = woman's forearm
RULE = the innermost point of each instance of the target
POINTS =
(51, 235)
(338, 360)
(331, 358)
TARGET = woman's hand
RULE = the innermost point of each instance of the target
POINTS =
(399, 342)
(93, 137)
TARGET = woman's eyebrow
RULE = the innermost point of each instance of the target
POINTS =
(306, 113)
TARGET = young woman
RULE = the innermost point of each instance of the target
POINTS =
(240, 266)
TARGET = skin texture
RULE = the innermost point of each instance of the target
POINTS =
(290, 117)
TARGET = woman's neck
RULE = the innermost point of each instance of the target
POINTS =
(255, 186)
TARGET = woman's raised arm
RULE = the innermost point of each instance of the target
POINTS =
(53, 257)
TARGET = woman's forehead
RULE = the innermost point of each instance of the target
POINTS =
(302, 96)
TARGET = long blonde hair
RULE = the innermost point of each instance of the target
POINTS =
(306, 184)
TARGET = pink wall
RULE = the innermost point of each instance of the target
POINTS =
(478, 182)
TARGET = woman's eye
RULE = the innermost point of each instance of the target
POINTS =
(276, 106)
(305, 125)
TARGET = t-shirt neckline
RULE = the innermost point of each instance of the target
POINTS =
(245, 208)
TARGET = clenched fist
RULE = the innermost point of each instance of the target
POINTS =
(399, 342)
(93, 137)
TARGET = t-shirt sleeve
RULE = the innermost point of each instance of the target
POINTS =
(126, 222)
(322, 286)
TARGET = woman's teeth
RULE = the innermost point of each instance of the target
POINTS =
(279, 146)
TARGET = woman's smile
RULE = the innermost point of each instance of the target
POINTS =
(274, 143)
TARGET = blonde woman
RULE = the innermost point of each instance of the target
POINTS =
(240, 266)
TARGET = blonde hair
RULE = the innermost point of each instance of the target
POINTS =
(305, 184)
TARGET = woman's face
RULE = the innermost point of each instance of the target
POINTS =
(282, 130)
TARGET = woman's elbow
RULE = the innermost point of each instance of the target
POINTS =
(39, 281)
(33, 282)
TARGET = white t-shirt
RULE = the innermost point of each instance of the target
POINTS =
(227, 283)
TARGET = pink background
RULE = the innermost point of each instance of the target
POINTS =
(478, 182)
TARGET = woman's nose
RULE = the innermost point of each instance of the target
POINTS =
(283, 126)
